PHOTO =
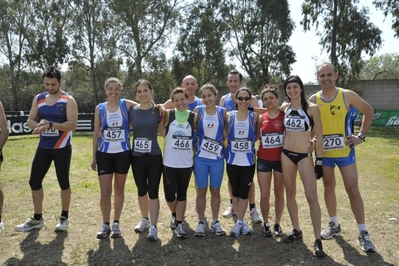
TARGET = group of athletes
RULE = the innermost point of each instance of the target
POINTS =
(206, 138)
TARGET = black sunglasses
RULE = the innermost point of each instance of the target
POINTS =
(243, 98)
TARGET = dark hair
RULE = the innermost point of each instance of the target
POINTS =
(143, 82)
(210, 87)
(240, 90)
(177, 91)
(52, 72)
(269, 88)
(297, 79)
(236, 72)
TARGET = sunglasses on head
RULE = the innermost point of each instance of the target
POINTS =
(244, 98)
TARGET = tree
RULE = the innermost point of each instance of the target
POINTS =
(15, 18)
(259, 33)
(47, 36)
(145, 25)
(345, 32)
(385, 66)
(94, 40)
(200, 45)
(390, 7)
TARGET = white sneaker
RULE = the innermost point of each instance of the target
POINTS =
(217, 229)
(30, 223)
(179, 231)
(104, 231)
(116, 231)
(245, 230)
(173, 222)
(256, 219)
(142, 225)
(200, 229)
(62, 225)
(236, 231)
(1, 226)
(229, 211)
(152, 233)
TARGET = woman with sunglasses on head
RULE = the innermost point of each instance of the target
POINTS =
(302, 120)
(111, 153)
(178, 130)
(209, 157)
(240, 156)
(271, 134)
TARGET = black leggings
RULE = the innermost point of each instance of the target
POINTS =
(240, 178)
(147, 171)
(42, 162)
(175, 182)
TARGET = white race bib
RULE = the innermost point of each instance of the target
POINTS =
(51, 132)
(333, 142)
(211, 146)
(142, 145)
(114, 134)
(182, 143)
(272, 140)
(241, 145)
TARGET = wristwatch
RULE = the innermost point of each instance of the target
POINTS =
(361, 136)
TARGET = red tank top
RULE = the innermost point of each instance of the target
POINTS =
(271, 137)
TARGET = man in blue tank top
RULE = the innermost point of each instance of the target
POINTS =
(190, 85)
(53, 115)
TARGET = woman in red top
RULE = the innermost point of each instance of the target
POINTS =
(271, 124)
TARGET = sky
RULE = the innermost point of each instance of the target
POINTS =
(306, 47)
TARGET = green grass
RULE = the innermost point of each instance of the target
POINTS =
(378, 163)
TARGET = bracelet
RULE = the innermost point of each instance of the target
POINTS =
(51, 124)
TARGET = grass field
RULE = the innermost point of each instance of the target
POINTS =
(378, 165)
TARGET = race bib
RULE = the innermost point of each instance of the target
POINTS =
(142, 145)
(272, 140)
(211, 146)
(114, 134)
(182, 143)
(51, 132)
(333, 142)
(295, 123)
(241, 145)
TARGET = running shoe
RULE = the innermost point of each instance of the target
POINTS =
(318, 248)
(256, 219)
(1, 226)
(245, 230)
(217, 229)
(172, 222)
(179, 231)
(278, 232)
(266, 230)
(200, 229)
(62, 225)
(104, 231)
(30, 223)
(293, 235)
(365, 242)
(236, 231)
(116, 232)
(142, 225)
(152, 233)
(229, 211)
(331, 231)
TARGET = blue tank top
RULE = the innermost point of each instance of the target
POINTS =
(241, 139)
(54, 138)
(197, 102)
(229, 104)
(115, 129)
(210, 137)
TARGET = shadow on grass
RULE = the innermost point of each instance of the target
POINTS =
(353, 256)
(37, 254)
(119, 254)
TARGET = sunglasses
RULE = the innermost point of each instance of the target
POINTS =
(243, 98)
